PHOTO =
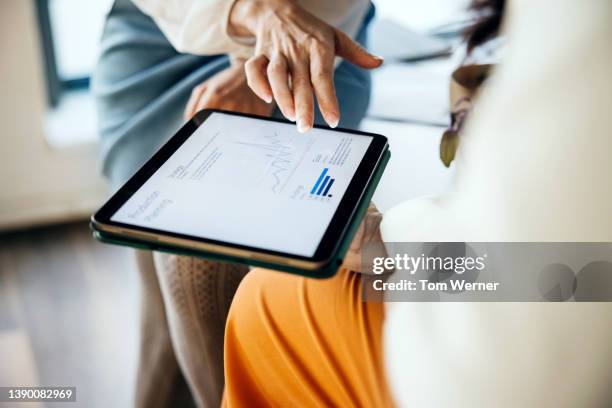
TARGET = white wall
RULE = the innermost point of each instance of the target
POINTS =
(38, 183)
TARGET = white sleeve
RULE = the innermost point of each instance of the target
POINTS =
(534, 165)
(196, 26)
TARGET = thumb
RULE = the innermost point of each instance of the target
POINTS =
(355, 53)
(194, 100)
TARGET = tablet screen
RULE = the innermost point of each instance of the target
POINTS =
(250, 182)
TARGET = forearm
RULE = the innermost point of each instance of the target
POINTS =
(196, 26)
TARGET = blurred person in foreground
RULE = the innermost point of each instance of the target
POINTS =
(533, 165)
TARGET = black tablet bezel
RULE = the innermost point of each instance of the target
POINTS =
(333, 234)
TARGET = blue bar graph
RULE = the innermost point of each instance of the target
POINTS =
(320, 190)
(321, 177)
(323, 184)
(328, 187)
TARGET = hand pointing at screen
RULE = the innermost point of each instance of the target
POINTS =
(294, 57)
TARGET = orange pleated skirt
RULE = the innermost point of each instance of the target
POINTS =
(297, 342)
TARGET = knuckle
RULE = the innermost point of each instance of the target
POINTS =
(323, 45)
(250, 64)
(309, 38)
(295, 50)
(276, 67)
(304, 106)
(320, 47)
(321, 74)
(215, 92)
(300, 80)
(283, 98)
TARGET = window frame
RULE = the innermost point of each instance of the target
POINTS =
(55, 84)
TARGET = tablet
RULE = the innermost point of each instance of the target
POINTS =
(249, 189)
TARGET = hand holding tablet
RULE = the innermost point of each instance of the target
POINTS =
(253, 190)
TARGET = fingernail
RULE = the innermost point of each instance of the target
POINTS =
(290, 116)
(301, 126)
(333, 122)
(267, 99)
(376, 57)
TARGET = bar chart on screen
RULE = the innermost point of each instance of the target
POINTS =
(323, 184)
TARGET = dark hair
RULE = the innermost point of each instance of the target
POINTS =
(490, 13)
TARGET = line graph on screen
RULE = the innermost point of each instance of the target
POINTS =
(284, 155)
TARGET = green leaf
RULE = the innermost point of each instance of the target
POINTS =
(448, 147)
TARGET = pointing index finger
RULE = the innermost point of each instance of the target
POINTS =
(322, 78)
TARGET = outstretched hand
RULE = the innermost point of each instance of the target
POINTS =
(294, 57)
